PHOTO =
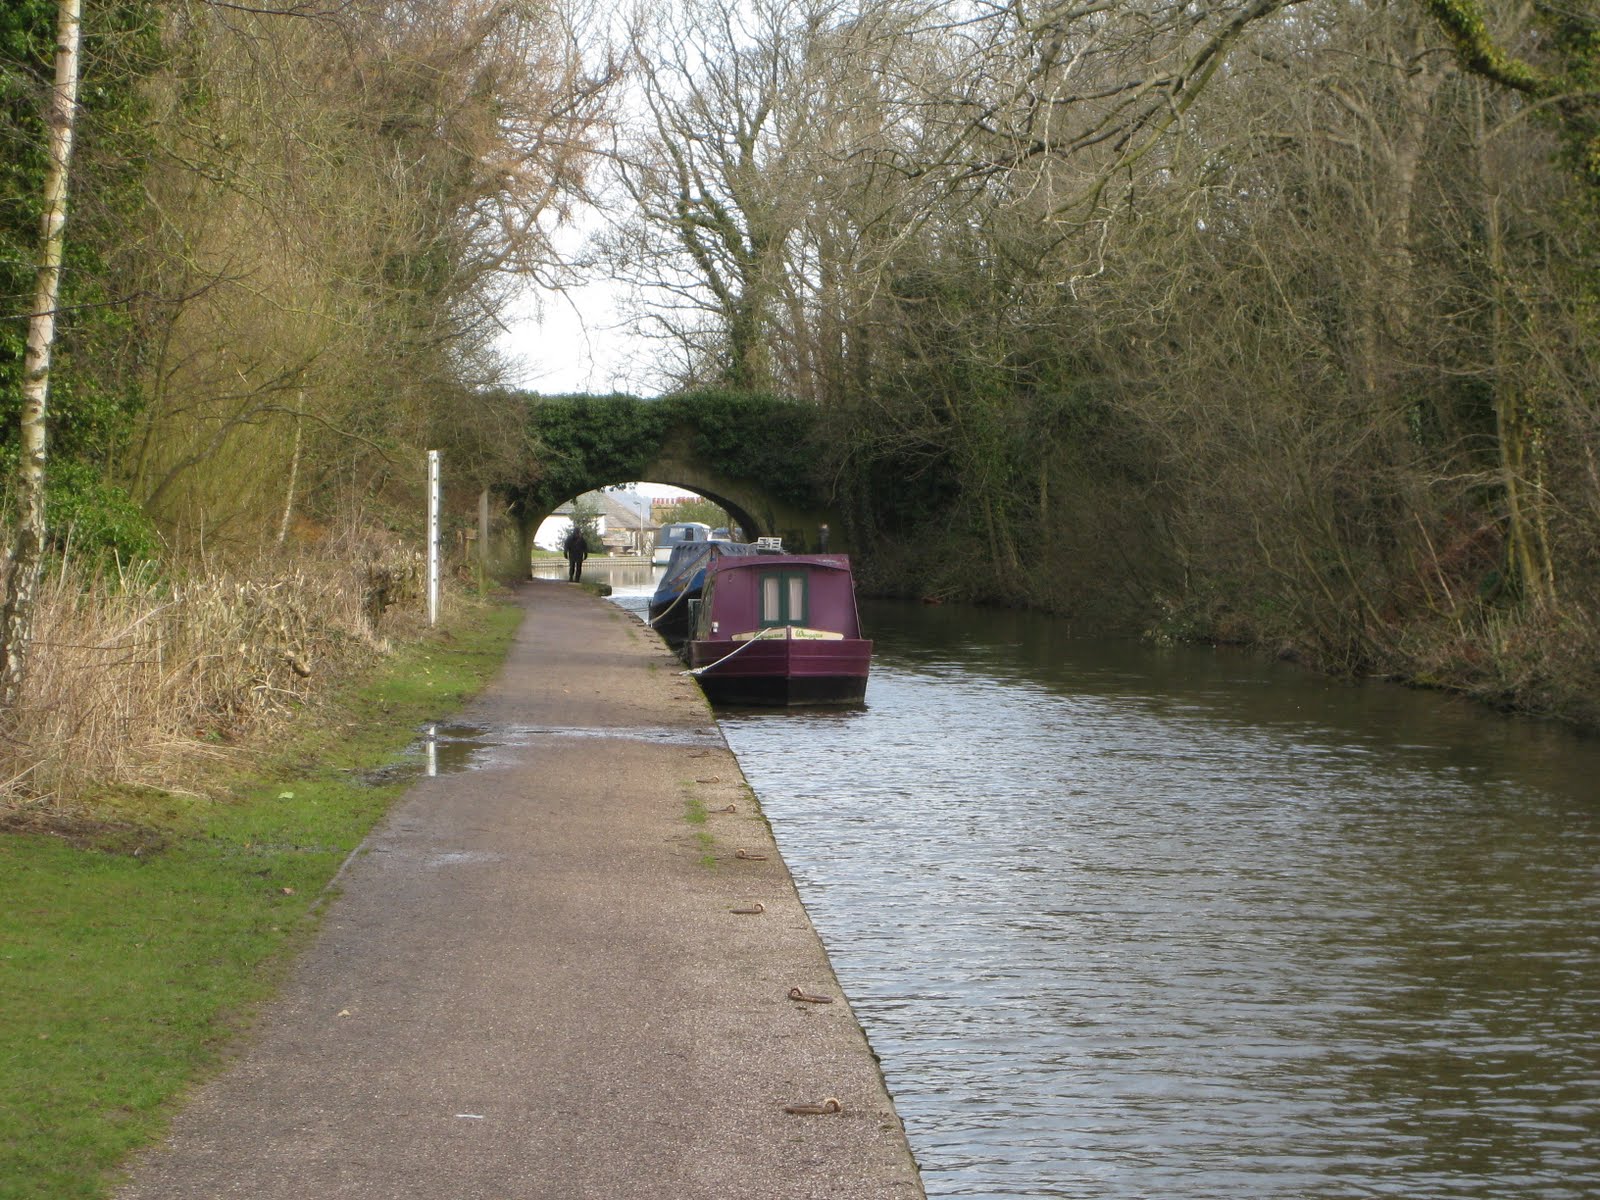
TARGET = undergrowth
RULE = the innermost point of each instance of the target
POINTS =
(140, 677)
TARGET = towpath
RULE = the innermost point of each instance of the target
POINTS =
(535, 982)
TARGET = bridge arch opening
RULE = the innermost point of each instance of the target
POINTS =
(549, 529)
(749, 527)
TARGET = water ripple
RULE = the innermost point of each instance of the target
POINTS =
(1133, 923)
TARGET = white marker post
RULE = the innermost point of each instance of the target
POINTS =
(433, 537)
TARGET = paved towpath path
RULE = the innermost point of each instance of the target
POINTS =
(533, 983)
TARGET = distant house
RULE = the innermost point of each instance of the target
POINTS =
(624, 531)
(621, 528)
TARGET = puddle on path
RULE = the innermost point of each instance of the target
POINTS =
(447, 749)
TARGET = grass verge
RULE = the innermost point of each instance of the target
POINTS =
(132, 949)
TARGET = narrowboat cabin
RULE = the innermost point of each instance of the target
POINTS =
(676, 534)
(683, 582)
(779, 629)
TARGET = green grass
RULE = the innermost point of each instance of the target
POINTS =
(130, 953)
(694, 812)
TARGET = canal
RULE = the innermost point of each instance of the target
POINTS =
(1125, 921)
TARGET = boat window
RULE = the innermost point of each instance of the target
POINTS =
(783, 598)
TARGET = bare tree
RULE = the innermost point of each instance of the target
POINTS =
(721, 170)
(340, 205)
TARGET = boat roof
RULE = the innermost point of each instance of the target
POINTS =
(688, 550)
(766, 562)
(689, 559)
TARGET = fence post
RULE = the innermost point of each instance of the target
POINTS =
(433, 537)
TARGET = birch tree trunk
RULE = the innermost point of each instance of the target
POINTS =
(16, 623)
(294, 475)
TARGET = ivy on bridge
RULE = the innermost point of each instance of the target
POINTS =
(757, 455)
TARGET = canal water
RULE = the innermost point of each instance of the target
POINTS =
(1133, 922)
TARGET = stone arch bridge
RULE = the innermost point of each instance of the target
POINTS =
(758, 457)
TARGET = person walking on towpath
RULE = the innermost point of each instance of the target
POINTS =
(576, 548)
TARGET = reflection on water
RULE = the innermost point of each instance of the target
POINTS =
(632, 587)
(1130, 922)
(449, 749)
(631, 577)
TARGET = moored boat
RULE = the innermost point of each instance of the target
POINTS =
(779, 629)
(676, 534)
(683, 581)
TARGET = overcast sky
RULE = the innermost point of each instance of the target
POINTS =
(576, 341)
(580, 342)
(575, 346)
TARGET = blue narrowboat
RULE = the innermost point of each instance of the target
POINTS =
(682, 582)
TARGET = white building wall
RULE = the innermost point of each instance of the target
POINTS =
(552, 531)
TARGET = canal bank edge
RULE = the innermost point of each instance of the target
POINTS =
(556, 975)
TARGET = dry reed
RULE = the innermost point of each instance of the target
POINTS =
(136, 676)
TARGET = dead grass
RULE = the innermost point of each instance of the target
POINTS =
(139, 678)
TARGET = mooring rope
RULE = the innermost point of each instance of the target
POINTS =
(765, 635)
(652, 620)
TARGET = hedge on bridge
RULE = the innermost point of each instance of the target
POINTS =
(583, 441)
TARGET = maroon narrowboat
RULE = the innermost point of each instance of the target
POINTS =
(779, 629)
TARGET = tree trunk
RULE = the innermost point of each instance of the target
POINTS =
(16, 624)
(294, 476)
(1518, 432)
